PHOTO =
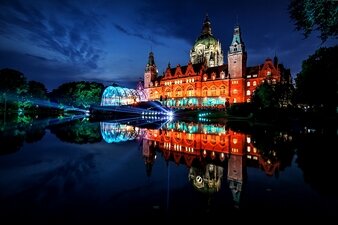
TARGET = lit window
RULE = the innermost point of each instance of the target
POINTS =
(254, 83)
(248, 140)
(248, 92)
(213, 91)
(268, 73)
(222, 90)
(168, 92)
(234, 140)
(178, 92)
(248, 149)
(222, 75)
(248, 84)
(235, 91)
(205, 92)
(213, 139)
(190, 91)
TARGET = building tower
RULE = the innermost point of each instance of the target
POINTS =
(207, 48)
(237, 56)
(235, 177)
(150, 73)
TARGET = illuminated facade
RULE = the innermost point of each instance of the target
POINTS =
(206, 81)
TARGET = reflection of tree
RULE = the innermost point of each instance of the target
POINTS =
(274, 145)
(15, 134)
(11, 142)
(77, 131)
(35, 133)
(317, 157)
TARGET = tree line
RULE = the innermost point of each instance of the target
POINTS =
(17, 94)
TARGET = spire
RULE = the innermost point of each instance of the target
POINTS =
(206, 29)
(275, 60)
(237, 37)
(237, 44)
(151, 60)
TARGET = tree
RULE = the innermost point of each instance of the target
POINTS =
(79, 94)
(318, 15)
(316, 84)
(265, 96)
(37, 90)
(13, 86)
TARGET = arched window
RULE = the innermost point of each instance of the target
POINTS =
(205, 92)
(222, 75)
(213, 91)
(190, 91)
(248, 92)
(156, 95)
(222, 90)
(248, 84)
(168, 92)
(254, 83)
(178, 92)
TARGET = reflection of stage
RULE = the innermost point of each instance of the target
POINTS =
(116, 132)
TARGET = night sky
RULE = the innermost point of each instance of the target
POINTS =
(57, 41)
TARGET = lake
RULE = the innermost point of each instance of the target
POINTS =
(81, 171)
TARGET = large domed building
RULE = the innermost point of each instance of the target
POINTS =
(206, 81)
(207, 48)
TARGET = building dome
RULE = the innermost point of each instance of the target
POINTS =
(207, 48)
(207, 40)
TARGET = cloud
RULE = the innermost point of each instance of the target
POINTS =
(69, 34)
(138, 35)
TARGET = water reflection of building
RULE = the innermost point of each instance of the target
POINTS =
(206, 179)
(206, 149)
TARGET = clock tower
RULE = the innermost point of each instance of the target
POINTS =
(237, 56)
(150, 73)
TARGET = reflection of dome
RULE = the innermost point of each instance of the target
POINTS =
(115, 132)
(206, 179)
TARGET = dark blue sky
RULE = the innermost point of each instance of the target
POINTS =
(56, 41)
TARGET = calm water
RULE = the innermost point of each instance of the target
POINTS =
(86, 172)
